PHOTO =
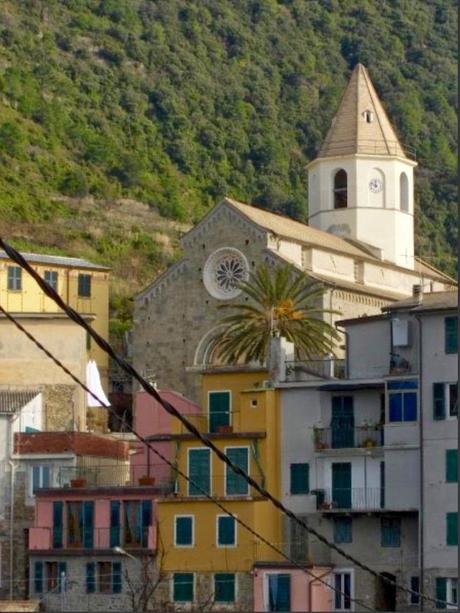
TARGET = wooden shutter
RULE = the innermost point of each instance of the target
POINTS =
(451, 465)
(226, 531)
(184, 531)
(452, 529)
(236, 484)
(224, 587)
(88, 524)
(441, 592)
(90, 577)
(439, 401)
(117, 584)
(300, 478)
(451, 334)
(183, 587)
(114, 523)
(38, 577)
(57, 524)
(199, 471)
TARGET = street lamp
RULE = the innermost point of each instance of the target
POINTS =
(122, 552)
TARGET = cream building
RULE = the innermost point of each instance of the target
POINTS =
(359, 244)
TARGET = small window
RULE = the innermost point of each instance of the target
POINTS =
(415, 587)
(451, 334)
(452, 529)
(368, 116)
(342, 530)
(300, 479)
(104, 577)
(342, 593)
(453, 399)
(226, 531)
(340, 190)
(183, 587)
(40, 478)
(452, 465)
(183, 531)
(219, 411)
(108, 579)
(14, 278)
(51, 277)
(51, 576)
(224, 587)
(84, 285)
(390, 532)
(404, 192)
(446, 591)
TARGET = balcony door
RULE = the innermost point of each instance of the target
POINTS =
(341, 485)
(219, 410)
(342, 422)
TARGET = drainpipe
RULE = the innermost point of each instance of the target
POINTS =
(12, 484)
(310, 608)
(422, 468)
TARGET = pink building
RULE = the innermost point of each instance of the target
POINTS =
(284, 587)
(153, 422)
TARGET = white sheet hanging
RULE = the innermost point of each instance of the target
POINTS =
(93, 381)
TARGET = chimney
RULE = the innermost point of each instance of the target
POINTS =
(417, 292)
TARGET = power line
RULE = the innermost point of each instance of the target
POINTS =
(107, 348)
(175, 468)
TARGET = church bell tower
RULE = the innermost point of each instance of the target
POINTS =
(361, 185)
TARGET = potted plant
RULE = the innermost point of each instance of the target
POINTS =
(225, 429)
(368, 442)
(318, 436)
(146, 480)
(77, 482)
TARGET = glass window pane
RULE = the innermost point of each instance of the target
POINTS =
(184, 530)
(224, 587)
(395, 407)
(226, 531)
(183, 587)
(410, 406)
(300, 479)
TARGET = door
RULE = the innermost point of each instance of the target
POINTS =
(342, 422)
(219, 410)
(279, 592)
(341, 485)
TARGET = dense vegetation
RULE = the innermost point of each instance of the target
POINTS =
(119, 115)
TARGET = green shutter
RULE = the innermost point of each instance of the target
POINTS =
(452, 529)
(114, 523)
(441, 592)
(226, 531)
(219, 410)
(199, 472)
(342, 530)
(341, 484)
(57, 524)
(183, 587)
(390, 532)
(90, 577)
(279, 592)
(236, 484)
(451, 465)
(439, 401)
(38, 577)
(224, 587)
(451, 334)
(300, 478)
(184, 531)
(88, 524)
(116, 578)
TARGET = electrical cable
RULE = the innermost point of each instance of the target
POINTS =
(107, 348)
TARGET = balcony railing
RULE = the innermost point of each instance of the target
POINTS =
(216, 423)
(348, 437)
(138, 537)
(115, 476)
(297, 371)
(350, 498)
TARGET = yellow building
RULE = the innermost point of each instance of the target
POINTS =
(206, 554)
(81, 284)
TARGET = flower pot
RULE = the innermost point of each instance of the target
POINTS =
(146, 480)
(77, 482)
(225, 429)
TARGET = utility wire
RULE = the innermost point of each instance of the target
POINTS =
(175, 468)
(107, 348)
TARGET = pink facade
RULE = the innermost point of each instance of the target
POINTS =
(151, 420)
(306, 592)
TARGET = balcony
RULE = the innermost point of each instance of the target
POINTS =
(99, 538)
(306, 370)
(217, 424)
(116, 475)
(366, 437)
(350, 499)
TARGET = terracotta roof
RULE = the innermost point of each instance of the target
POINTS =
(13, 400)
(350, 131)
(432, 301)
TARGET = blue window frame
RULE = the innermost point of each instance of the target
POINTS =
(343, 530)
(117, 582)
(402, 397)
(390, 532)
(226, 531)
(300, 478)
(183, 531)
(451, 334)
(14, 278)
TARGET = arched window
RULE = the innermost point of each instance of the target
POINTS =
(340, 190)
(404, 192)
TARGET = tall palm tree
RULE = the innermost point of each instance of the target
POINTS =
(283, 302)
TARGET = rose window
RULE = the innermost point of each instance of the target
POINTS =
(223, 271)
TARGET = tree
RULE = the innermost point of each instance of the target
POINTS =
(279, 302)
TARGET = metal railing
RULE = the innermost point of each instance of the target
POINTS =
(116, 475)
(216, 423)
(137, 537)
(308, 369)
(350, 498)
(344, 437)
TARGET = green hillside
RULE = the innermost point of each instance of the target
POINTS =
(123, 121)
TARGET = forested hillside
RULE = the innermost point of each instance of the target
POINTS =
(123, 121)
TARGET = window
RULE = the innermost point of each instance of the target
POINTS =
(51, 277)
(236, 485)
(40, 478)
(115, 523)
(226, 531)
(343, 595)
(84, 286)
(451, 334)
(452, 529)
(183, 587)
(451, 465)
(80, 524)
(452, 593)
(224, 587)
(446, 592)
(199, 471)
(50, 576)
(342, 530)
(58, 508)
(219, 410)
(183, 531)
(340, 190)
(138, 518)
(390, 532)
(38, 577)
(402, 400)
(368, 116)
(108, 579)
(279, 592)
(445, 395)
(404, 192)
(300, 478)
(14, 278)
(415, 587)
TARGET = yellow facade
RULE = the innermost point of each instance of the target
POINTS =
(255, 426)
(29, 298)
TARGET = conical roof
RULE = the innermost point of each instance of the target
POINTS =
(361, 124)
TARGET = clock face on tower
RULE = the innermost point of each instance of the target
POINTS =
(375, 185)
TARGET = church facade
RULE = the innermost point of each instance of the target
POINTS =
(359, 244)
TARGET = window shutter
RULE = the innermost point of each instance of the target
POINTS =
(451, 334)
(390, 532)
(62, 576)
(90, 577)
(226, 531)
(114, 523)
(117, 585)
(219, 410)
(88, 524)
(439, 401)
(415, 587)
(183, 587)
(38, 577)
(199, 471)
(184, 533)
(57, 524)
(224, 587)
(300, 478)
(452, 529)
(441, 592)
(279, 592)
(236, 484)
(46, 476)
(342, 530)
(451, 465)
(146, 520)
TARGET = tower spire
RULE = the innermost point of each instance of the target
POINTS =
(361, 124)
